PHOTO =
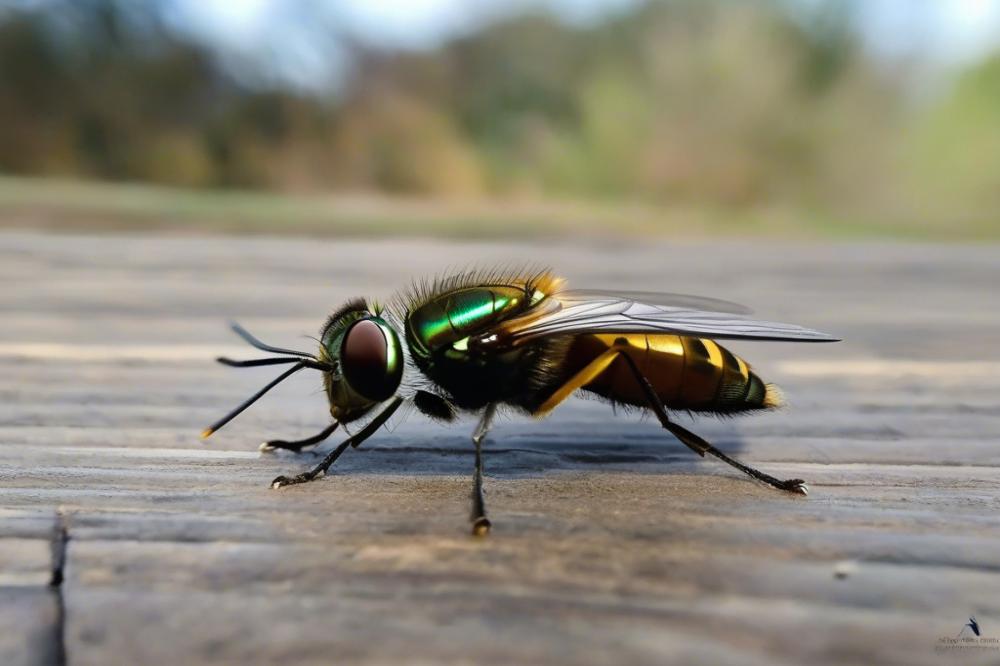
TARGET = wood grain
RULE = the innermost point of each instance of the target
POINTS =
(612, 543)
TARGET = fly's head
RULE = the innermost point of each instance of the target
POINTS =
(365, 360)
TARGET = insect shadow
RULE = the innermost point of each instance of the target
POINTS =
(526, 449)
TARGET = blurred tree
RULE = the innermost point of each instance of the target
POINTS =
(691, 101)
(955, 147)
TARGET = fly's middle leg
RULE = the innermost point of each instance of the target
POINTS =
(480, 523)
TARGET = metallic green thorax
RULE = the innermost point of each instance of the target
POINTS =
(438, 332)
(449, 320)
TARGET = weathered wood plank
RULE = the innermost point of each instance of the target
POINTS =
(31, 622)
(612, 542)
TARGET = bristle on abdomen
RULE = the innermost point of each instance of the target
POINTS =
(773, 397)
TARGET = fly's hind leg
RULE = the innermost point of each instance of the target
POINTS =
(699, 445)
(480, 523)
(299, 444)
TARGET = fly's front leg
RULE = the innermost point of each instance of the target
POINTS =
(299, 444)
(480, 523)
(699, 445)
(354, 440)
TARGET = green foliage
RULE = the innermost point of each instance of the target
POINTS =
(956, 146)
(684, 102)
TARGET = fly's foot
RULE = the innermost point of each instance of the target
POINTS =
(797, 486)
(297, 446)
(481, 526)
(275, 444)
(283, 481)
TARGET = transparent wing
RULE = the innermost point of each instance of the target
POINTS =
(688, 301)
(578, 313)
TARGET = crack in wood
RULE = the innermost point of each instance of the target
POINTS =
(60, 543)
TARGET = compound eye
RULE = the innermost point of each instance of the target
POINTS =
(366, 363)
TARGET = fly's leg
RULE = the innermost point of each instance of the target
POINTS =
(480, 523)
(593, 369)
(300, 444)
(587, 374)
(305, 477)
(354, 440)
(699, 445)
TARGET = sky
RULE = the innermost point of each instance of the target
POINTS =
(943, 32)
(954, 31)
(406, 24)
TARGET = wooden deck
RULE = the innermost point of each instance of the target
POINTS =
(126, 540)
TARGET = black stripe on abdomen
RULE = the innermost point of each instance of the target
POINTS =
(740, 387)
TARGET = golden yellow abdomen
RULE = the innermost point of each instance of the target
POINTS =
(687, 373)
